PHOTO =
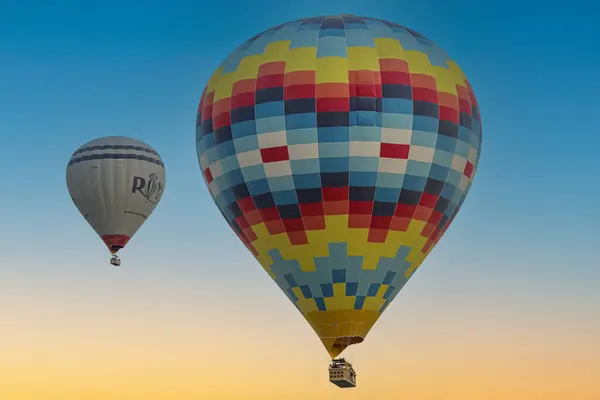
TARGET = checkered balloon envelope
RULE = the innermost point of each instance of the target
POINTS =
(339, 149)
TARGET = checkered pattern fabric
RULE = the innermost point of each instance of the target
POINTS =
(339, 149)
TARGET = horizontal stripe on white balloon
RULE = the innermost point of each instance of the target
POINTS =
(115, 156)
(115, 147)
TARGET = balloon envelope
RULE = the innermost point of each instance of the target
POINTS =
(339, 149)
(116, 182)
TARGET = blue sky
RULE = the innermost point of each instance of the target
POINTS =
(73, 72)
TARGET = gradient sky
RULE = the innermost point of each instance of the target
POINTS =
(506, 306)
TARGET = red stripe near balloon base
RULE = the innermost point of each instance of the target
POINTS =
(115, 242)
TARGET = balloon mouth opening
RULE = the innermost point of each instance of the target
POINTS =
(115, 242)
(340, 344)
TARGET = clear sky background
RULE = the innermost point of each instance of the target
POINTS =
(506, 307)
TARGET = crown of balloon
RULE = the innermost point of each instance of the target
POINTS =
(153, 177)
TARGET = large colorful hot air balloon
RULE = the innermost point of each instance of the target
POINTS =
(116, 182)
(339, 149)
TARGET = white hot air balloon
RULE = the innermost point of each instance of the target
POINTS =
(115, 182)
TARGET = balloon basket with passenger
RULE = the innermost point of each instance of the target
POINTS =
(341, 373)
(115, 260)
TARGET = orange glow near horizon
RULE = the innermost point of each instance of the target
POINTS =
(165, 354)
